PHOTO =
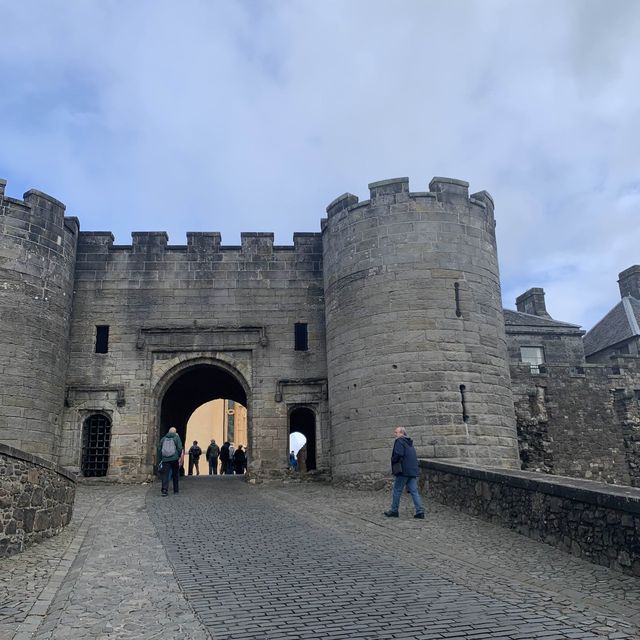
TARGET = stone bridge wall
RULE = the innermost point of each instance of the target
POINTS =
(36, 499)
(592, 520)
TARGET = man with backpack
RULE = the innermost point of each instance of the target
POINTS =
(169, 452)
(194, 458)
(213, 451)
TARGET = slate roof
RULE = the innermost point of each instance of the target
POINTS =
(516, 322)
(620, 324)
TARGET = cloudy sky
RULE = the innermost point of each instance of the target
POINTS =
(232, 115)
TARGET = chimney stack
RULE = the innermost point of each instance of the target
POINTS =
(629, 282)
(532, 302)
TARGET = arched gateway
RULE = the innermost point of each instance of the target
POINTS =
(192, 385)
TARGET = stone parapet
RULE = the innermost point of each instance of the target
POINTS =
(592, 520)
(36, 499)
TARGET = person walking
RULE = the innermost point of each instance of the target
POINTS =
(169, 451)
(404, 466)
(213, 451)
(224, 458)
(240, 460)
(194, 458)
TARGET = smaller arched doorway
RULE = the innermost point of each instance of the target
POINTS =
(303, 420)
(96, 440)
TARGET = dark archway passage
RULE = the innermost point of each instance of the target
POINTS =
(303, 420)
(197, 385)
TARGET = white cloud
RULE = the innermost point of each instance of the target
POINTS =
(232, 116)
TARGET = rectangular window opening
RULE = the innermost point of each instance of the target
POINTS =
(102, 338)
(301, 335)
(534, 357)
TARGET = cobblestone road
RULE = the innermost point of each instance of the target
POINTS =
(298, 561)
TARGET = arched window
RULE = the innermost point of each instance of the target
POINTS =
(96, 437)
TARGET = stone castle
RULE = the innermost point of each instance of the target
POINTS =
(392, 314)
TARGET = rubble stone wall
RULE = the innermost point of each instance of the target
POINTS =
(36, 499)
(592, 520)
(580, 421)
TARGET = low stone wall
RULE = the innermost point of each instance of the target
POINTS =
(36, 499)
(592, 520)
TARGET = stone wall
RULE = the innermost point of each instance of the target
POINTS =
(173, 311)
(580, 421)
(592, 520)
(36, 499)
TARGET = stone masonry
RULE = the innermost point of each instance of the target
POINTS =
(392, 314)
(36, 499)
(397, 300)
(587, 519)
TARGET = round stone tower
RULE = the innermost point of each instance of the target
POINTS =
(415, 329)
(37, 261)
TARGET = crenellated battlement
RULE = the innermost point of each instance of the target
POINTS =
(446, 191)
(32, 199)
(252, 243)
(39, 209)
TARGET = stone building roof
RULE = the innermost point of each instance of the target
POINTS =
(518, 322)
(620, 324)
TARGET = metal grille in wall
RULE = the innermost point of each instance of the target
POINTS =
(96, 437)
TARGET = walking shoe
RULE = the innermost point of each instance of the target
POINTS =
(164, 494)
(419, 516)
(391, 514)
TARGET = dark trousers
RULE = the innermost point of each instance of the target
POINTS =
(195, 462)
(213, 466)
(171, 466)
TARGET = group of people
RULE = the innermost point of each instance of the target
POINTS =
(171, 459)
(231, 460)
(404, 465)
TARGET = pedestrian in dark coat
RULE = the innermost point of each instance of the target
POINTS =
(213, 451)
(239, 460)
(224, 458)
(194, 458)
(404, 466)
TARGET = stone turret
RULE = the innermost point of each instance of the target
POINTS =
(37, 260)
(415, 329)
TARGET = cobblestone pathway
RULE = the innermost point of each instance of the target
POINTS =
(298, 561)
(310, 561)
(105, 576)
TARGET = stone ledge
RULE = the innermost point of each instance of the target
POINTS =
(591, 520)
(608, 496)
(36, 499)
(18, 454)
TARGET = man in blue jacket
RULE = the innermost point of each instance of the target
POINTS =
(404, 466)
